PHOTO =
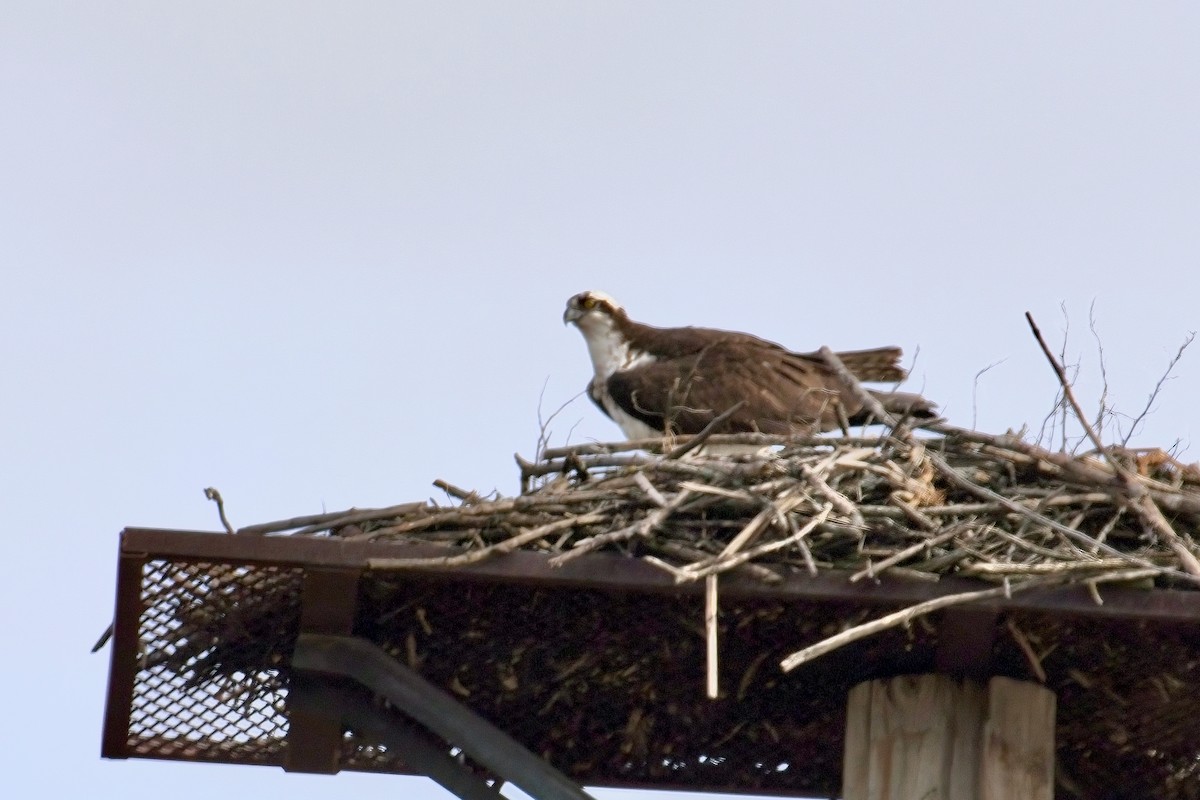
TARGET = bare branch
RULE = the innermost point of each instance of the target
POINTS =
(1102, 410)
(215, 496)
(1158, 386)
(1141, 499)
(975, 390)
(707, 431)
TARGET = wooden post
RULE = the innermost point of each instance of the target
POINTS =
(930, 737)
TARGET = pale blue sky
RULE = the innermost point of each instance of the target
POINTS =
(316, 254)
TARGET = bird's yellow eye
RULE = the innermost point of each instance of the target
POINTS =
(589, 302)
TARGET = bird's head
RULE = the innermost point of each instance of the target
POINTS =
(592, 308)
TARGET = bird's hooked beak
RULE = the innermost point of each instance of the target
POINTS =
(572, 314)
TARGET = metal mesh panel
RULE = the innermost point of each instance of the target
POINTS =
(210, 635)
(610, 688)
(608, 685)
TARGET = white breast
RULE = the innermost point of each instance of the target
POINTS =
(611, 353)
(632, 427)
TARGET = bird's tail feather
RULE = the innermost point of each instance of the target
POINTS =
(880, 364)
(899, 404)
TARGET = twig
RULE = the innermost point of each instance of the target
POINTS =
(839, 500)
(716, 564)
(710, 635)
(646, 486)
(1102, 405)
(544, 431)
(869, 401)
(951, 474)
(975, 389)
(781, 506)
(215, 496)
(1031, 657)
(468, 497)
(1142, 502)
(895, 618)
(536, 470)
(1047, 568)
(104, 637)
(473, 556)
(962, 482)
(1158, 386)
(310, 520)
(706, 432)
(873, 570)
(642, 528)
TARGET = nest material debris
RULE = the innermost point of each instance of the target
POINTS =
(949, 501)
(919, 504)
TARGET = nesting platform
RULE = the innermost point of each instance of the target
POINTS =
(577, 617)
(598, 664)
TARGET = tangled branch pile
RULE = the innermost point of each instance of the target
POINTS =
(938, 501)
(916, 503)
(950, 501)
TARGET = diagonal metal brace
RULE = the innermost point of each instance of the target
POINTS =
(369, 665)
(354, 707)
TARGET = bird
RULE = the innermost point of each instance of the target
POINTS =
(656, 382)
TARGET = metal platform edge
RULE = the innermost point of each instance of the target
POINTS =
(616, 573)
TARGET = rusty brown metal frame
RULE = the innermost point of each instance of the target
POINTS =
(332, 568)
(328, 600)
(621, 574)
(123, 663)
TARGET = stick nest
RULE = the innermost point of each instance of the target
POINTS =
(947, 501)
(915, 503)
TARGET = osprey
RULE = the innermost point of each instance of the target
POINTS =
(660, 381)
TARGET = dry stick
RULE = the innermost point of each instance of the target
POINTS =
(707, 431)
(458, 515)
(318, 519)
(910, 511)
(876, 408)
(1142, 501)
(646, 486)
(1093, 473)
(1158, 386)
(869, 401)
(642, 528)
(603, 460)
(873, 570)
(1044, 552)
(897, 618)
(508, 545)
(722, 564)
(740, 495)
(839, 500)
(466, 495)
(1022, 641)
(756, 525)
(710, 634)
(1056, 568)
(963, 482)
(215, 496)
(541, 468)
(675, 571)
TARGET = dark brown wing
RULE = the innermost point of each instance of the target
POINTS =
(877, 364)
(783, 392)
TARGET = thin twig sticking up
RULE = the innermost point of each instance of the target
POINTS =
(1139, 497)
(215, 496)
